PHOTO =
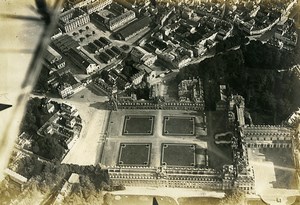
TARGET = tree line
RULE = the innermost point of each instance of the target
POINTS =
(251, 71)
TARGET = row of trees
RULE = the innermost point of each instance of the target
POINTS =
(48, 176)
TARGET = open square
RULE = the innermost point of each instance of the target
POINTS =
(179, 155)
(134, 154)
(179, 126)
(138, 125)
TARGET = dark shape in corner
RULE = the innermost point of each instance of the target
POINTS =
(42, 9)
(154, 201)
(4, 106)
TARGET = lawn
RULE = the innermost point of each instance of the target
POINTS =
(134, 154)
(179, 126)
(138, 125)
(178, 155)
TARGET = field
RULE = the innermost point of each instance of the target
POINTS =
(178, 155)
(134, 154)
(179, 126)
(138, 125)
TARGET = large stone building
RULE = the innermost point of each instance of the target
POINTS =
(257, 136)
(79, 3)
(179, 177)
(96, 6)
(268, 136)
(120, 20)
(72, 19)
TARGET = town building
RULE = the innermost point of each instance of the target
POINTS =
(18, 178)
(140, 55)
(120, 20)
(294, 118)
(137, 78)
(57, 33)
(65, 90)
(108, 88)
(64, 43)
(72, 19)
(287, 34)
(150, 73)
(191, 91)
(69, 109)
(176, 57)
(133, 28)
(83, 61)
(157, 91)
(67, 188)
(96, 6)
(52, 57)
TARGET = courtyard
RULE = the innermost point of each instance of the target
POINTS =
(145, 127)
(278, 166)
(218, 155)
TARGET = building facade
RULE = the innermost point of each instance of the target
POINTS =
(65, 90)
(268, 136)
(72, 19)
(120, 20)
(96, 6)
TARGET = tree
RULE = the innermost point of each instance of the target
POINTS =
(235, 196)
(50, 148)
(42, 82)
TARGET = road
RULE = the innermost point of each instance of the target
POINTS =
(87, 149)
